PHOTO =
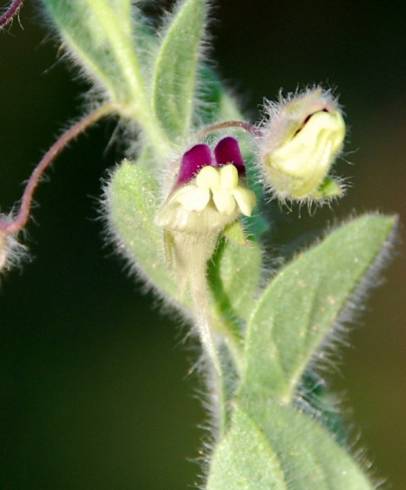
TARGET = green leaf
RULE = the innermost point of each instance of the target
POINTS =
(99, 35)
(274, 447)
(245, 460)
(296, 314)
(131, 202)
(174, 80)
(106, 39)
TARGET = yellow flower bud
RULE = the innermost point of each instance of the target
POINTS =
(299, 146)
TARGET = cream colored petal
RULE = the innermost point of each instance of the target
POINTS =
(228, 177)
(224, 202)
(208, 178)
(192, 198)
(246, 200)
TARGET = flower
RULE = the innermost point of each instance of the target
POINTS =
(300, 143)
(209, 193)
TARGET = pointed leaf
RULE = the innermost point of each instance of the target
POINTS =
(270, 446)
(99, 35)
(174, 81)
(131, 202)
(245, 460)
(297, 312)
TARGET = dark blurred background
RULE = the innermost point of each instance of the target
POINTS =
(95, 384)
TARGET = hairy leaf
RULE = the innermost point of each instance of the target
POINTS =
(174, 81)
(99, 35)
(297, 312)
(245, 460)
(274, 447)
(132, 199)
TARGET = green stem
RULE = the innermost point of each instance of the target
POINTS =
(231, 335)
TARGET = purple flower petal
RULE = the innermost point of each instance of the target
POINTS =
(228, 151)
(193, 160)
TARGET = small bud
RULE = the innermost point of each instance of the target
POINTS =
(300, 143)
(209, 193)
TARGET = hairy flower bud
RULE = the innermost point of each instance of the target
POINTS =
(300, 142)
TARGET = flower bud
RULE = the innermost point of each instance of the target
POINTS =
(300, 143)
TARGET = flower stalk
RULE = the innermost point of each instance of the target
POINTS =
(19, 221)
(251, 129)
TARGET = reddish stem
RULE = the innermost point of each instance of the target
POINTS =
(22, 217)
(10, 13)
(246, 126)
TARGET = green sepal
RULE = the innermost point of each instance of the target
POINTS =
(329, 189)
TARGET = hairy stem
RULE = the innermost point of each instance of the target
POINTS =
(20, 220)
(244, 125)
(11, 12)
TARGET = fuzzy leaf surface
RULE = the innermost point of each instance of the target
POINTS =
(245, 460)
(132, 200)
(275, 447)
(174, 81)
(99, 36)
(297, 312)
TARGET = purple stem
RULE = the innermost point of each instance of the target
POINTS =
(22, 217)
(246, 126)
(10, 13)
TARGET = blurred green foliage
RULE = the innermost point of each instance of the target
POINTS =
(95, 383)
